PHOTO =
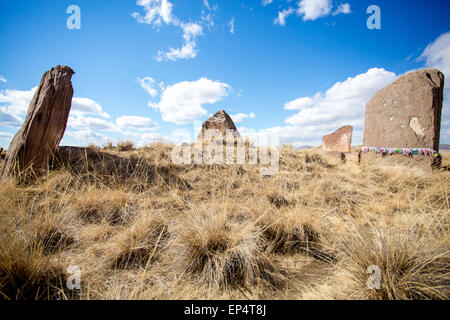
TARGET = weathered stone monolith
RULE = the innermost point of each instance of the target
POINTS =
(407, 113)
(405, 118)
(44, 125)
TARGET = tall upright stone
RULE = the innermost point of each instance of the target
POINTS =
(221, 122)
(406, 115)
(44, 125)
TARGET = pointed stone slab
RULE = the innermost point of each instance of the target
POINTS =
(220, 121)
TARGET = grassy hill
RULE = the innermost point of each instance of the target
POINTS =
(161, 231)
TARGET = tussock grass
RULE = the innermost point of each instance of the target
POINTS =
(217, 251)
(412, 258)
(97, 205)
(141, 227)
(138, 245)
(415, 265)
(292, 231)
(125, 145)
(26, 274)
(108, 146)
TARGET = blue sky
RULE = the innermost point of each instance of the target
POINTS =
(146, 68)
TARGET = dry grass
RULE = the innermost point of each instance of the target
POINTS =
(27, 274)
(140, 227)
(125, 145)
(108, 146)
(215, 250)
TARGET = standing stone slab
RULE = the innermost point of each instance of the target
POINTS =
(44, 125)
(407, 113)
(340, 140)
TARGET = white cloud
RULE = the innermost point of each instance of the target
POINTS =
(147, 84)
(2, 79)
(183, 102)
(156, 12)
(16, 102)
(9, 120)
(150, 137)
(239, 117)
(90, 123)
(191, 30)
(83, 106)
(343, 8)
(189, 49)
(313, 9)
(282, 15)
(138, 129)
(266, 2)
(298, 104)
(136, 122)
(231, 24)
(159, 11)
(207, 20)
(437, 55)
(85, 137)
(343, 104)
(295, 135)
(343, 101)
(14, 105)
(84, 115)
(5, 136)
(445, 136)
(207, 16)
(5, 139)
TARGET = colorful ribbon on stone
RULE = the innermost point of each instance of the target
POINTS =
(402, 151)
(437, 157)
